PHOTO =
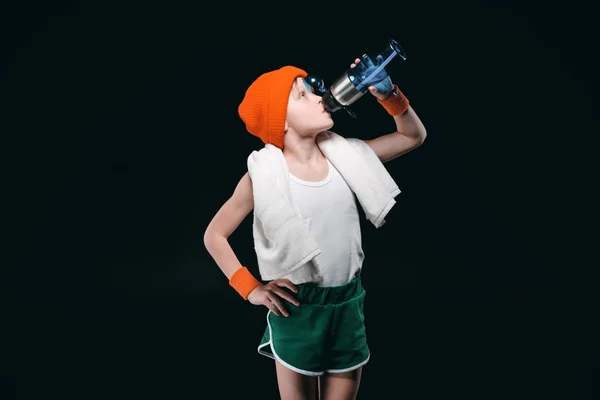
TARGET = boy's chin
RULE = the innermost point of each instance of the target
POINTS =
(325, 128)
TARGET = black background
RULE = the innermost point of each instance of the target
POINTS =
(123, 140)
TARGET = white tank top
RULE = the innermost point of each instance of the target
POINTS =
(329, 210)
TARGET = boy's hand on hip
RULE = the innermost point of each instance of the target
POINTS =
(270, 296)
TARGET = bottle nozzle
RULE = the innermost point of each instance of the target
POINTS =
(330, 103)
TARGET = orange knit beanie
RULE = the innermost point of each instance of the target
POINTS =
(264, 106)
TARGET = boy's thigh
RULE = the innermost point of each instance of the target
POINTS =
(343, 385)
(293, 385)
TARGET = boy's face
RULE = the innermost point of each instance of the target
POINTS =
(305, 112)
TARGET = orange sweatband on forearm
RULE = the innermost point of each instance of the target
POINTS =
(396, 103)
(243, 282)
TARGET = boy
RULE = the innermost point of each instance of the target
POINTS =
(315, 324)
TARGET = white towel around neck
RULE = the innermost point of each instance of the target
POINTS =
(281, 240)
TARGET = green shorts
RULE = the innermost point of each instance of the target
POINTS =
(326, 333)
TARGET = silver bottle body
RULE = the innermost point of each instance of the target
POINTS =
(344, 91)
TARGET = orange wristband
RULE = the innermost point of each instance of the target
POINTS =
(243, 282)
(396, 103)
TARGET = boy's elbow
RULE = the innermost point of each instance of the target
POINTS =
(209, 238)
(212, 239)
(206, 239)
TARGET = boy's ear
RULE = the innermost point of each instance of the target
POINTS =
(285, 127)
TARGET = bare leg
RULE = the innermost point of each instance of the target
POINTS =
(320, 387)
(342, 386)
(294, 386)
